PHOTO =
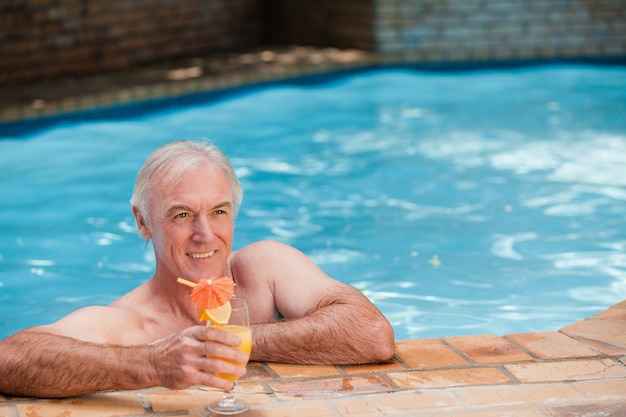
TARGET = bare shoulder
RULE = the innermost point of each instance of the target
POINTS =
(113, 324)
(263, 249)
(274, 262)
(272, 256)
(292, 280)
(257, 270)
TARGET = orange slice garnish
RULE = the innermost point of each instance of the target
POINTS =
(218, 316)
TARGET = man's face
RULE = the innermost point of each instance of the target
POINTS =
(193, 224)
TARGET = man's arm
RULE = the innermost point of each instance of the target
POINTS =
(37, 363)
(343, 329)
(325, 321)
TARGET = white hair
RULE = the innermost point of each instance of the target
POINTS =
(176, 159)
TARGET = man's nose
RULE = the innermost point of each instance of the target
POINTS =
(202, 229)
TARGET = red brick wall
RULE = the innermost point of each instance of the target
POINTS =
(51, 38)
(45, 39)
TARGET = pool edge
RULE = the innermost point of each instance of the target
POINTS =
(580, 368)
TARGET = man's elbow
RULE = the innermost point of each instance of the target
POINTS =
(383, 346)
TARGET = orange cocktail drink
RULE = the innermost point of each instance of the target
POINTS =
(246, 345)
(214, 297)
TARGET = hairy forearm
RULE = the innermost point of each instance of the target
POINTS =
(331, 335)
(40, 364)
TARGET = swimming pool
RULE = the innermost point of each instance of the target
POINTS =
(463, 202)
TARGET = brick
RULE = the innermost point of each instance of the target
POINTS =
(590, 410)
(610, 332)
(92, 406)
(603, 389)
(567, 370)
(427, 353)
(488, 349)
(552, 345)
(300, 410)
(508, 412)
(373, 368)
(301, 371)
(448, 378)
(329, 387)
(604, 348)
(253, 394)
(395, 404)
(176, 400)
(256, 372)
(612, 314)
(517, 394)
(168, 401)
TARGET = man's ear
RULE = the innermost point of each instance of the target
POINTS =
(141, 224)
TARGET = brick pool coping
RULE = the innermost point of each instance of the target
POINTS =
(194, 76)
(171, 80)
(579, 370)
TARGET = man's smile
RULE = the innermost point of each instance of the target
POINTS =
(201, 255)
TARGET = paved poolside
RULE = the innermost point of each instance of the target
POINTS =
(577, 371)
(172, 80)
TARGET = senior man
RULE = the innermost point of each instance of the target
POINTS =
(185, 201)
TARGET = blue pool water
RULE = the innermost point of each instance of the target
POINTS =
(460, 203)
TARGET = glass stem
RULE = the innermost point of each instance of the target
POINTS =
(228, 399)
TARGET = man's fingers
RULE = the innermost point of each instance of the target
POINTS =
(213, 334)
(218, 366)
(218, 350)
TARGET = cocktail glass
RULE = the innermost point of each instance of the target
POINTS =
(239, 324)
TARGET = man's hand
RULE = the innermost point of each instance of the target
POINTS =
(195, 355)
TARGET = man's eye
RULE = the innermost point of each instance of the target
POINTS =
(181, 215)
